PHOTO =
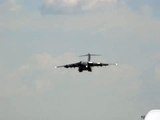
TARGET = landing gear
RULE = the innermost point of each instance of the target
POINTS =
(80, 70)
(89, 69)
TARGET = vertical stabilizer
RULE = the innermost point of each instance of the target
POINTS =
(89, 56)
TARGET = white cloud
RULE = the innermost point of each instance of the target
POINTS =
(117, 21)
(72, 6)
(32, 78)
(124, 75)
(9, 6)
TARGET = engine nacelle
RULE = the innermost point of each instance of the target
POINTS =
(66, 66)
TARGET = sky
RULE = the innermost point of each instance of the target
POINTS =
(36, 35)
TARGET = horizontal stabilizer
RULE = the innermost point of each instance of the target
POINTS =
(89, 55)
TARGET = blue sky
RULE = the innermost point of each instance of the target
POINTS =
(37, 35)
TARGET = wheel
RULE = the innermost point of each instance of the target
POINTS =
(80, 70)
(89, 69)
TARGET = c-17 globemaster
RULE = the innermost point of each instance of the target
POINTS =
(86, 65)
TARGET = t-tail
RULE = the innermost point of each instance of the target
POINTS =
(89, 56)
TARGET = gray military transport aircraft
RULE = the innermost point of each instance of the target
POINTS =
(86, 65)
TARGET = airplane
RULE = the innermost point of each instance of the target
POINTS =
(86, 65)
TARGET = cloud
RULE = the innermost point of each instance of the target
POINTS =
(35, 77)
(124, 75)
(9, 6)
(72, 6)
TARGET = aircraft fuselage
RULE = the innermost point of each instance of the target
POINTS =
(84, 66)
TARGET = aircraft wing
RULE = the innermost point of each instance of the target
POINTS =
(99, 64)
(69, 65)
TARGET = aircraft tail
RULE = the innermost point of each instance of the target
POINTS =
(89, 56)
